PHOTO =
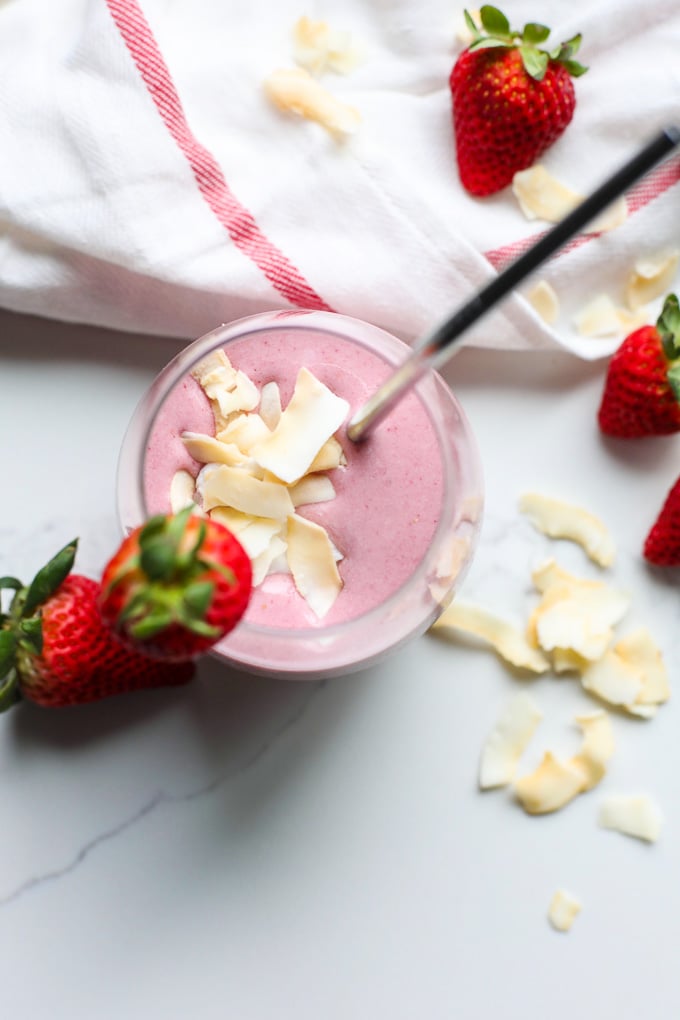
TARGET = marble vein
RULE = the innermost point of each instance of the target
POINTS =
(161, 798)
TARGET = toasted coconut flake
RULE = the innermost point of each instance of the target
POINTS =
(651, 277)
(597, 747)
(270, 560)
(244, 431)
(600, 317)
(564, 660)
(563, 910)
(635, 816)
(574, 614)
(182, 489)
(640, 651)
(564, 520)
(615, 215)
(545, 302)
(294, 90)
(270, 405)
(330, 456)
(541, 196)
(220, 485)
(311, 557)
(550, 787)
(506, 639)
(310, 419)
(507, 741)
(209, 450)
(318, 47)
(613, 679)
(312, 489)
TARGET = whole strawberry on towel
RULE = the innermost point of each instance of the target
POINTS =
(56, 651)
(641, 395)
(662, 545)
(511, 99)
(176, 585)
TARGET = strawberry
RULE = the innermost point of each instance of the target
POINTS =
(55, 650)
(662, 545)
(511, 100)
(641, 395)
(176, 585)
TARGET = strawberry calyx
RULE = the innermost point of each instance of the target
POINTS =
(165, 581)
(21, 632)
(495, 31)
(668, 326)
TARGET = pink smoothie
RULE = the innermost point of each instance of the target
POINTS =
(388, 496)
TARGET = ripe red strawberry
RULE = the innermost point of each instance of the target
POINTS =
(176, 586)
(641, 395)
(662, 545)
(55, 650)
(511, 100)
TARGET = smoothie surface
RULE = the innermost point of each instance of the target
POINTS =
(388, 496)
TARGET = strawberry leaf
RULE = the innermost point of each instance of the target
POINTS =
(157, 559)
(10, 582)
(197, 598)
(534, 33)
(9, 690)
(673, 377)
(535, 62)
(8, 647)
(494, 21)
(574, 68)
(668, 325)
(31, 635)
(470, 22)
(486, 44)
(48, 579)
(152, 624)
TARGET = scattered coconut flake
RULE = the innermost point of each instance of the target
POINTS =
(235, 520)
(221, 485)
(600, 317)
(640, 651)
(564, 520)
(651, 277)
(507, 741)
(544, 301)
(256, 538)
(541, 196)
(215, 373)
(312, 563)
(506, 639)
(550, 787)
(296, 91)
(574, 613)
(182, 488)
(563, 910)
(615, 215)
(613, 679)
(564, 660)
(642, 711)
(635, 816)
(318, 47)
(313, 414)
(597, 747)
(270, 405)
(312, 489)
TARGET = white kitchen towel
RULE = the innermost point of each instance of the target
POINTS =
(147, 183)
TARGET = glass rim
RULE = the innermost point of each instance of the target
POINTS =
(331, 323)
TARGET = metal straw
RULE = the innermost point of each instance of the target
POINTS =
(437, 347)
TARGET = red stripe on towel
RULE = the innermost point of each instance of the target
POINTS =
(239, 223)
(641, 194)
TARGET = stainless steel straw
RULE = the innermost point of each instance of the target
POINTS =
(437, 347)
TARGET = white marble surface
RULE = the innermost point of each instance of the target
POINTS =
(250, 849)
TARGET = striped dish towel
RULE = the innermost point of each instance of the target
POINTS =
(147, 184)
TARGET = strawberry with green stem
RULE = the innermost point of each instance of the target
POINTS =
(56, 651)
(641, 394)
(511, 99)
(176, 585)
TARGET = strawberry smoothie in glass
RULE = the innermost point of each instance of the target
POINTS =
(400, 512)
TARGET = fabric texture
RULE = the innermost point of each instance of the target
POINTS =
(147, 183)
